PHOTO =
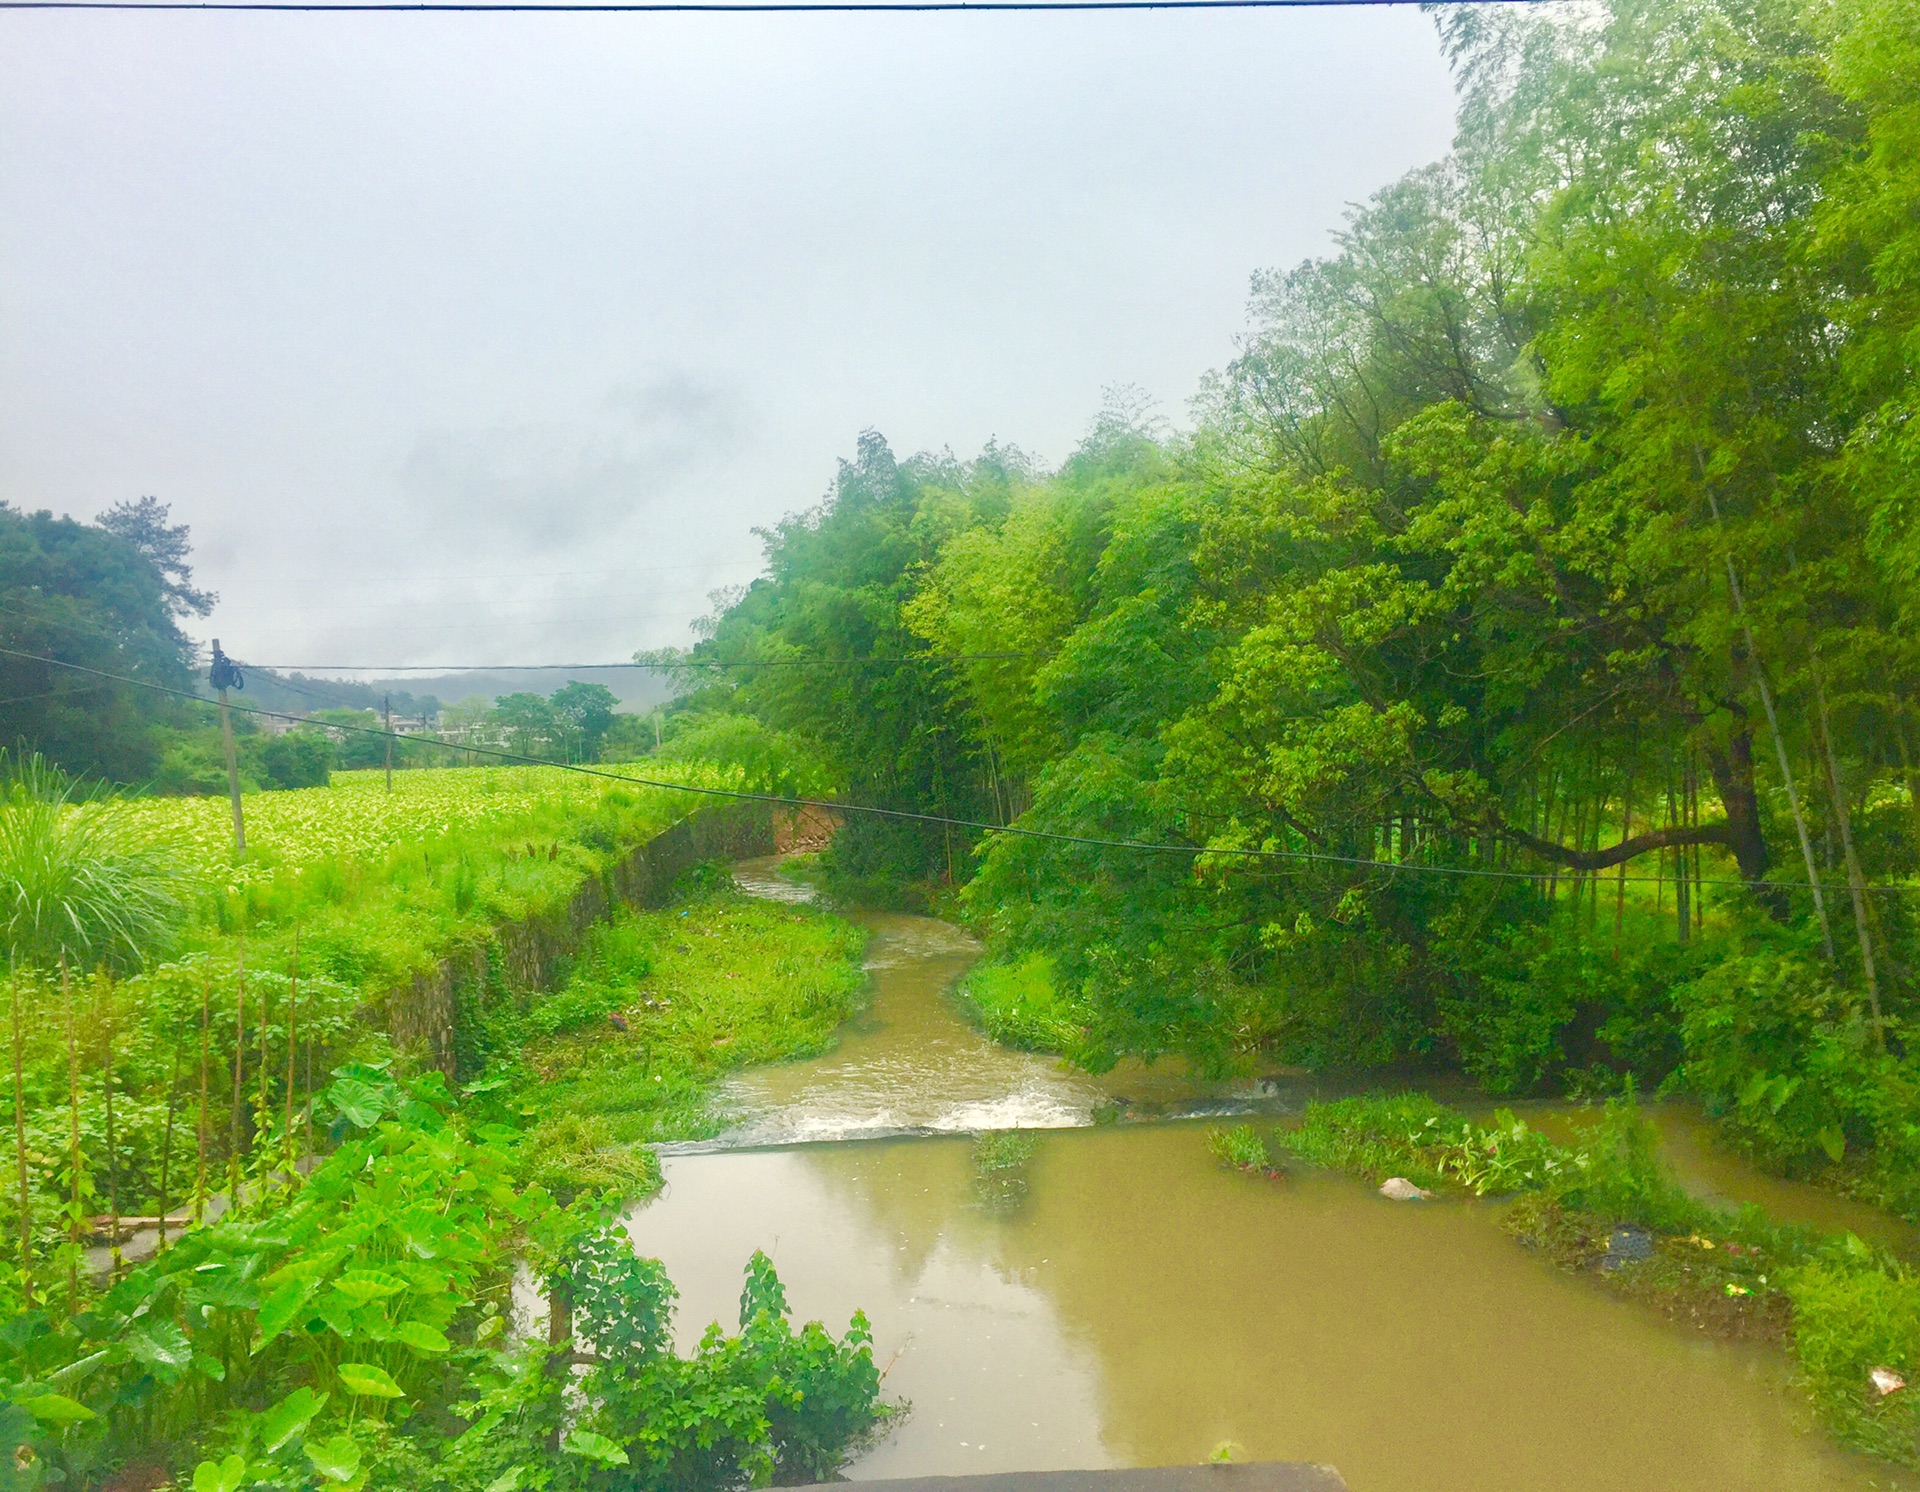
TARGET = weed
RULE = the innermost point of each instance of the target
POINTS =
(1242, 1149)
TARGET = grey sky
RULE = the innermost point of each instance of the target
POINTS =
(486, 339)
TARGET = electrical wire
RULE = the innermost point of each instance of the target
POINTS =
(719, 7)
(690, 663)
(1015, 831)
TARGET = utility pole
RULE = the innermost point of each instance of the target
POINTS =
(224, 676)
(386, 720)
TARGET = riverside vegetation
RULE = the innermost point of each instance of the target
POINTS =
(1517, 658)
(1843, 1307)
(178, 1045)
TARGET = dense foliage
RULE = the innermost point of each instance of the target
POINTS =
(1521, 644)
(357, 1328)
(169, 1010)
(108, 595)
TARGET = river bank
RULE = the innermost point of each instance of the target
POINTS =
(1117, 1297)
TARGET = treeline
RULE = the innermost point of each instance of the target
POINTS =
(1520, 648)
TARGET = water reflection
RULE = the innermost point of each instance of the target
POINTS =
(1144, 1305)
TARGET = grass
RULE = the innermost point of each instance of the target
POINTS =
(1842, 1307)
(1000, 1161)
(660, 1007)
(1018, 1005)
(1242, 1149)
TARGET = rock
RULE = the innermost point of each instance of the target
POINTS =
(1885, 1381)
(617, 1020)
(1627, 1245)
(1399, 1189)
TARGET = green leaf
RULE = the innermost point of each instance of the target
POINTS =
(508, 1480)
(360, 1104)
(1833, 1140)
(363, 1285)
(422, 1337)
(289, 1417)
(594, 1447)
(56, 1409)
(220, 1476)
(336, 1459)
(280, 1309)
(366, 1381)
(161, 1344)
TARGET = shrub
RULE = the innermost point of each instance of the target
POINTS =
(1019, 1005)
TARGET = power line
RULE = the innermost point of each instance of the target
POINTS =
(689, 663)
(700, 7)
(1014, 831)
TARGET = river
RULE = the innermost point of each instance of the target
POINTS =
(1130, 1302)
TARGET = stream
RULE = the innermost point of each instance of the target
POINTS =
(1134, 1303)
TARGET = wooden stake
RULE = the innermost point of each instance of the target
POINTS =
(233, 764)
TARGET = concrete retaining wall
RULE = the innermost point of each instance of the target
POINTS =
(425, 1017)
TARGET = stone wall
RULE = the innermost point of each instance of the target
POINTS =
(425, 1017)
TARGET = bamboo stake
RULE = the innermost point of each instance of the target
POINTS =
(20, 1144)
(166, 1142)
(239, 1076)
(104, 986)
(200, 1157)
(73, 1147)
(293, 1028)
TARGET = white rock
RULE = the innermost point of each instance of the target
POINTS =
(1399, 1189)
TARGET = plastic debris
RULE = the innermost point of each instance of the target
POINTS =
(1706, 1243)
(1885, 1381)
(1733, 1289)
(1399, 1189)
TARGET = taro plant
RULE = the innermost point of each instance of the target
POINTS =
(360, 1335)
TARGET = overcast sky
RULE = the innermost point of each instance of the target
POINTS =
(482, 339)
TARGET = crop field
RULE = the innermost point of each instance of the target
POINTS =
(356, 818)
(345, 893)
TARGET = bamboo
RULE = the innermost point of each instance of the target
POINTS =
(1620, 886)
(1913, 788)
(1773, 726)
(1856, 882)
(1682, 880)
(20, 1144)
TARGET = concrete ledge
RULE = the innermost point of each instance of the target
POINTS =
(1251, 1476)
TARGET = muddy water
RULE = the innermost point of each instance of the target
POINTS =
(1138, 1305)
(910, 1063)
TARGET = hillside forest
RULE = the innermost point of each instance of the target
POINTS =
(1514, 661)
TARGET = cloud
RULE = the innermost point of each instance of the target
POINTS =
(542, 486)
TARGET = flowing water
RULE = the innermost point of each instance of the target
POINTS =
(1126, 1301)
